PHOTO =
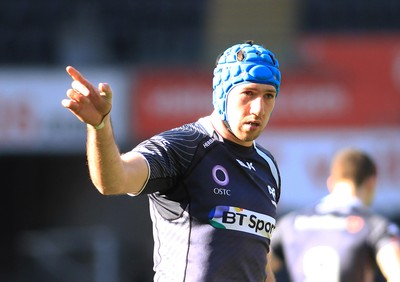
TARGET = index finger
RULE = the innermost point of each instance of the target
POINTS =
(76, 75)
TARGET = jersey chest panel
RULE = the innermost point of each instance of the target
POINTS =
(240, 187)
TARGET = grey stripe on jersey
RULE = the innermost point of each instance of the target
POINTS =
(271, 163)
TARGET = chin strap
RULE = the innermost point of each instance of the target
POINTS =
(228, 127)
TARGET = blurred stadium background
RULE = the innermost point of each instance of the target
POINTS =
(341, 87)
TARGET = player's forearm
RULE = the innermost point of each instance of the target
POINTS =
(388, 259)
(270, 273)
(105, 165)
(270, 277)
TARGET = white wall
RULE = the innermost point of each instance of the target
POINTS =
(32, 118)
(304, 157)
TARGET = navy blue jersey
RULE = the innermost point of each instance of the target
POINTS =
(212, 204)
(335, 240)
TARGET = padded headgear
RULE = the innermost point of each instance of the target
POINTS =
(243, 63)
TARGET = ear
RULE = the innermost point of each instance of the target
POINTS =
(369, 190)
(372, 182)
(329, 183)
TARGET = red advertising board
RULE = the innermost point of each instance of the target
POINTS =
(166, 98)
(345, 81)
(341, 81)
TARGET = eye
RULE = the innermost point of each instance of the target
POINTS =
(270, 95)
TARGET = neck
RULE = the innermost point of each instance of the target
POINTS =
(344, 189)
(347, 190)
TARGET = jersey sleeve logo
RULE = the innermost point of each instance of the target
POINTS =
(234, 218)
(271, 191)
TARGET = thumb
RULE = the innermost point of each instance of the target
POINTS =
(105, 91)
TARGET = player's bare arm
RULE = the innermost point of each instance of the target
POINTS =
(388, 259)
(110, 172)
(270, 273)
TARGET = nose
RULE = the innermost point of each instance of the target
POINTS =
(257, 106)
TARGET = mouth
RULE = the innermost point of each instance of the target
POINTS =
(256, 122)
(253, 124)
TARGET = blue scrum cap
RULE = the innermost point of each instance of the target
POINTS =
(241, 63)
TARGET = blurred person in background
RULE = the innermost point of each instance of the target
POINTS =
(340, 238)
(213, 191)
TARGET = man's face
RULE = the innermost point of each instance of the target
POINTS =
(249, 107)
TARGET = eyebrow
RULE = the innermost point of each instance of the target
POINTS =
(248, 88)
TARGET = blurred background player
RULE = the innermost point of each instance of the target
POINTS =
(340, 238)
